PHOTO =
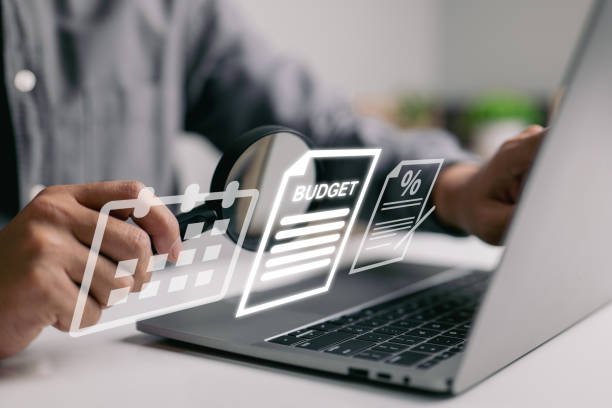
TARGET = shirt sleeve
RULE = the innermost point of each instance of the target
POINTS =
(235, 82)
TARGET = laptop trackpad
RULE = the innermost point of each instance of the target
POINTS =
(216, 321)
(352, 290)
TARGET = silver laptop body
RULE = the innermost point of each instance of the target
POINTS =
(554, 272)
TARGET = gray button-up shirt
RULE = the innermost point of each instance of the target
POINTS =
(99, 90)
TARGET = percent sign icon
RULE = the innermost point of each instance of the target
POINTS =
(411, 182)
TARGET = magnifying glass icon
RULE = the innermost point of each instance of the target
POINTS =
(256, 160)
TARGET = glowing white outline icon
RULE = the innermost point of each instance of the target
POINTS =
(410, 233)
(141, 206)
(299, 168)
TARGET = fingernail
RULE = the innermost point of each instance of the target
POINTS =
(535, 128)
(175, 250)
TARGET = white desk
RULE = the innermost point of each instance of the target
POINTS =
(125, 368)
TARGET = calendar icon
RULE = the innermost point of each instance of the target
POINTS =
(200, 275)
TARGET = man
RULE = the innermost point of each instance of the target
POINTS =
(99, 90)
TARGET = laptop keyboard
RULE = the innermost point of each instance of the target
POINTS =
(420, 329)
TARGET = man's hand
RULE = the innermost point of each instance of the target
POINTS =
(481, 199)
(43, 252)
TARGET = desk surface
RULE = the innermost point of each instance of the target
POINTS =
(122, 367)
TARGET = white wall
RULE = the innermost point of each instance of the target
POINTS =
(445, 46)
(518, 44)
(357, 46)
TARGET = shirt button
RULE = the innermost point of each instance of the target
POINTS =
(25, 80)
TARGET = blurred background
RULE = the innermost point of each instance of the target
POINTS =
(481, 68)
(484, 69)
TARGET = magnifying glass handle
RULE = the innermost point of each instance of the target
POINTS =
(201, 214)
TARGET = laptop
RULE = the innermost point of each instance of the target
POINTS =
(445, 330)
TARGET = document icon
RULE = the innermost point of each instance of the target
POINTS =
(398, 213)
(308, 226)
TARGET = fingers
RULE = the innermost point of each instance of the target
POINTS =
(121, 242)
(159, 223)
(491, 195)
(163, 228)
(96, 195)
(518, 153)
(523, 156)
(59, 227)
(106, 276)
(63, 303)
(530, 131)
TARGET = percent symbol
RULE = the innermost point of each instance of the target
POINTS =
(411, 182)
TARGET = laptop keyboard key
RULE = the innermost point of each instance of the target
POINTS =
(324, 327)
(423, 316)
(406, 324)
(286, 340)
(436, 326)
(444, 307)
(446, 354)
(458, 317)
(307, 333)
(355, 329)
(362, 314)
(389, 347)
(407, 358)
(391, 331)
(372, 355)
(423, 333)
(428, 348)
(374, 337)
(372, 322)
(456, 333)
(349, 347)
(325, 341)
(408, 340)
(342, 320)
(465, 326)
(459, 347)
(445, 341)
(451, 320)
(390, 316)
(466, 313)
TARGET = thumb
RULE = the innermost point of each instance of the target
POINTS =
(493, 222)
